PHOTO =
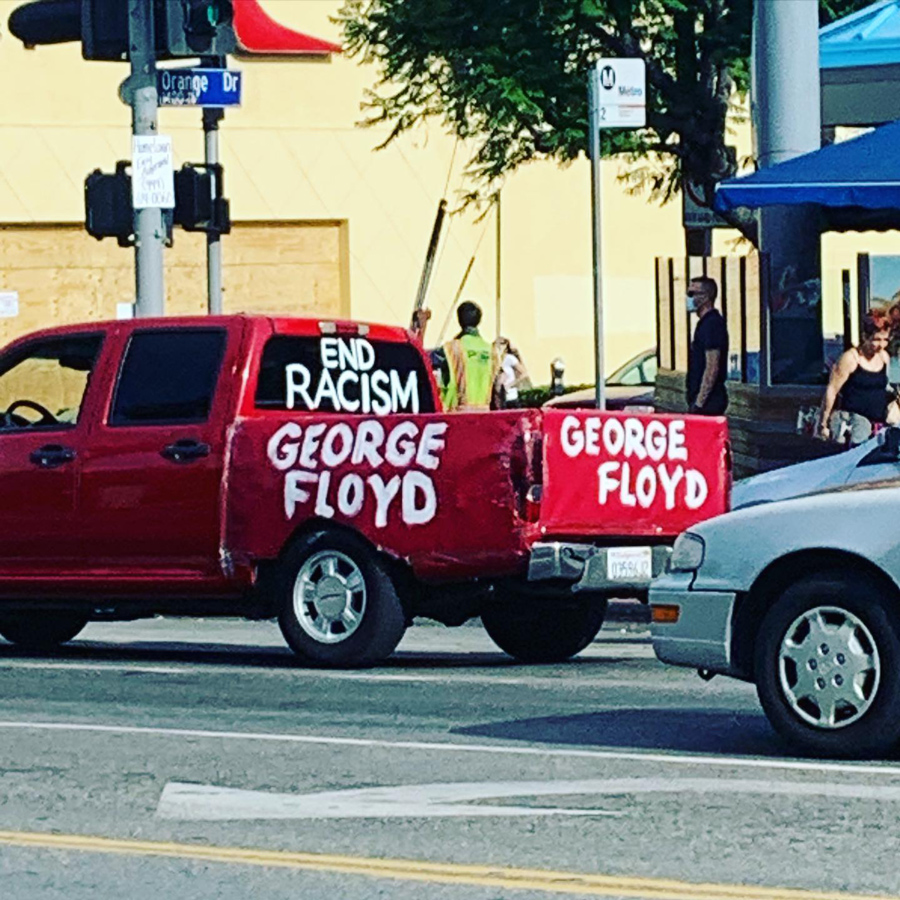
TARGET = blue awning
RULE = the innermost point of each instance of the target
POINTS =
(862, 174)
(859, 59)
(868, 37)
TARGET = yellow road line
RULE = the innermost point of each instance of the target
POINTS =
(435, 872)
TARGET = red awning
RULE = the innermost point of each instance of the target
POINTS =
(258, 34)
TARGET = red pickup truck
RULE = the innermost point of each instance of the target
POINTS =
(303, 470)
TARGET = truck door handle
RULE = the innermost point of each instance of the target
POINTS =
(52, 455)
(185, 450)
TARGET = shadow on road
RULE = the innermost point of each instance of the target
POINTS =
(238, 655)
(688, 730)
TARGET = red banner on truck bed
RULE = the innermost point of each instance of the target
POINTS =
(622, 474)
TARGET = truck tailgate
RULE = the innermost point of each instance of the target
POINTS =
(624, 475)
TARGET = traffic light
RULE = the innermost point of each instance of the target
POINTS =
(199, 204)
(104, 29)
(183, 28)
(194, 28)
(47, 22)
(108, 207)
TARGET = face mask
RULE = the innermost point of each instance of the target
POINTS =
(691, 303)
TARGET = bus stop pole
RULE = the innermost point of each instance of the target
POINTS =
(596, 208)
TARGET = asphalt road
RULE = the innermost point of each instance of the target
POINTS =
(195, 760)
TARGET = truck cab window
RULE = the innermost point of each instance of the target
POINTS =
(343, 374)
(168, 376)
(42, 384)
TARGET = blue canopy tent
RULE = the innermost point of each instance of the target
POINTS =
(855, 182)
(859, 59)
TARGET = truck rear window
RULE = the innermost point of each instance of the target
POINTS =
(343, 374)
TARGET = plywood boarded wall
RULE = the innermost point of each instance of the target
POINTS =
(65, 276)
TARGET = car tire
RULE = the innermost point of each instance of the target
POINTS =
(827, 666)
(338, 605)
(543, 631)
(43, 630)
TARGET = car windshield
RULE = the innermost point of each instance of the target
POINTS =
(640, 369)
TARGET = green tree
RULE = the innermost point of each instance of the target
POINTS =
(511, 76)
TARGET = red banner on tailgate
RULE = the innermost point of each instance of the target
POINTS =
(622, 474)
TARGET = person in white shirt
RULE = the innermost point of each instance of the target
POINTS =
(511, 375)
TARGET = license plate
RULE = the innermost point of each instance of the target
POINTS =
(629, 563)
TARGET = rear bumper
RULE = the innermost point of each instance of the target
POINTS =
(587, 566)
(701, 638)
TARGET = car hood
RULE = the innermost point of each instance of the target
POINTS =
(620, 394)
(801, 479)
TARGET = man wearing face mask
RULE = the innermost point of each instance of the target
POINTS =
(708, 360)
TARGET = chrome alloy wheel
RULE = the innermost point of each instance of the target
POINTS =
(829, 667)
(329, 596)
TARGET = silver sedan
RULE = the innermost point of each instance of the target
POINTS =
(799, 592)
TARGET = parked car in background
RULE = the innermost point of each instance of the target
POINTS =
(631, 384)
(798, 590)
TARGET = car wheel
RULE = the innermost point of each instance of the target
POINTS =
(828, 666)
(543, 631)
(43, 630)
(338, 604)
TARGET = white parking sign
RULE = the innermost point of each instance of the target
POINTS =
(622, 94)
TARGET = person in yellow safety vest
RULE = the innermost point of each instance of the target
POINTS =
(467, 364)
(467, 367)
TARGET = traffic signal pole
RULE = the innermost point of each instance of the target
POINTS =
(211, 118)
(149, 230)
(594, 151)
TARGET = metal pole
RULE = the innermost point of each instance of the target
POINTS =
(211, 119)
(498, 279)
(596, 208)
(430, 254)
(149, 231)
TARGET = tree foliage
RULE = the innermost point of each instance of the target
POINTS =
(511, 75)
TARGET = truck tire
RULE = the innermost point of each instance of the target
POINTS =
(43, 630)
(338, 605)
(827, 666)
(543, 631)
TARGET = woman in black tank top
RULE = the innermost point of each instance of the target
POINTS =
(865, 393)
(860, 377)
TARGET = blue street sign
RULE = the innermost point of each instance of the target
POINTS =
(198, 87)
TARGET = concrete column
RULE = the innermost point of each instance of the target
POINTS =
(786, 113)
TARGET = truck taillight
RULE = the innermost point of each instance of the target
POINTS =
(343, 328)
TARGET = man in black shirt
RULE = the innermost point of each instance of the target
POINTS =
(708, 360)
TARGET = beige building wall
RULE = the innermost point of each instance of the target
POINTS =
(294, 154)
(327, 225)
